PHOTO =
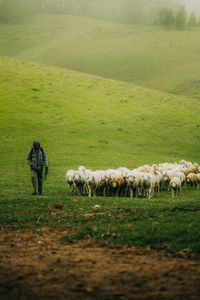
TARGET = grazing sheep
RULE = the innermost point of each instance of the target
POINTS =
(138, 182)
(90, 181)
(185, 171)
(78, 183)
(70, 178)
(191, 180)
(167, 175)
(132, 179)
(193, 168)
(182, 177)
(175, 185)
(158, 181)
(148, 183)
(108, 174)
(117, 183)
(95, 181)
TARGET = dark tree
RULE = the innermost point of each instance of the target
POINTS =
(166, 17)
(181, 18)
(192, 22)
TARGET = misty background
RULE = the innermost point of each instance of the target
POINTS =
(161, 12)
(192, 6)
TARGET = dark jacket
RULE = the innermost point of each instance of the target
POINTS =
(37, 159)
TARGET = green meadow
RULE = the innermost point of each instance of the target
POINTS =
(149, 56)
(100, 123)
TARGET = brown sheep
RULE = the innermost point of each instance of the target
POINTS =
(191, 180)
(117, 182)
(193, 169)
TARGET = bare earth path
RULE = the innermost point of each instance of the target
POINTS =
(35, 265)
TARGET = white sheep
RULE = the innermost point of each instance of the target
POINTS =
(95, 180)
(70, 178)
(158, 180)
(141, 181)
(175, 185)
(132, 180)
(147, 182)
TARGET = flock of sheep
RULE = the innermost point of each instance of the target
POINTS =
(141, 182)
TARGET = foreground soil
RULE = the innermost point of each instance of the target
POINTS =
(35, 265)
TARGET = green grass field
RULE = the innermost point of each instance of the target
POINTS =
(101, 123)
(149, 56)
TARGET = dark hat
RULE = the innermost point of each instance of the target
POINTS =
(36, 143)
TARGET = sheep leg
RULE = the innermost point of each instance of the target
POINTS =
(81, 189)
(136, 192)
(104, 191)
(126, 190)
(158, 190)
(89, 191)
(139, 191)
(108, 189)
(77, 190)
(150, 192)
(131, 193)
(85, 189)
(117, 192)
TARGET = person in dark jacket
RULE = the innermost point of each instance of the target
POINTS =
(37, 159)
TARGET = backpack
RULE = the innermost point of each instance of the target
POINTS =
(31, 153)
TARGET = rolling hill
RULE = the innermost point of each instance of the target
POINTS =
(92, 121)
(100, 123)
(148, 56)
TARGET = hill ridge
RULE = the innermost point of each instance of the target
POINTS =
(148, 56)
(130, 84)
(92, 121)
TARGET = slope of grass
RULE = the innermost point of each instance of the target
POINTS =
(167, 60)
(100, 123)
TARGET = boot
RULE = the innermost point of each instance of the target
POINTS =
(34, 185)
(40, 187)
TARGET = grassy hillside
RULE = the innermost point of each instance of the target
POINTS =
(100, 123)
(167, 60)
(93, 121)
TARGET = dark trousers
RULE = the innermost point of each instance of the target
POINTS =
(37, 174)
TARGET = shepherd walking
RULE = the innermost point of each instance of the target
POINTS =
(37, 159)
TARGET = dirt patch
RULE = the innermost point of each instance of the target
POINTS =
(35, 265)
